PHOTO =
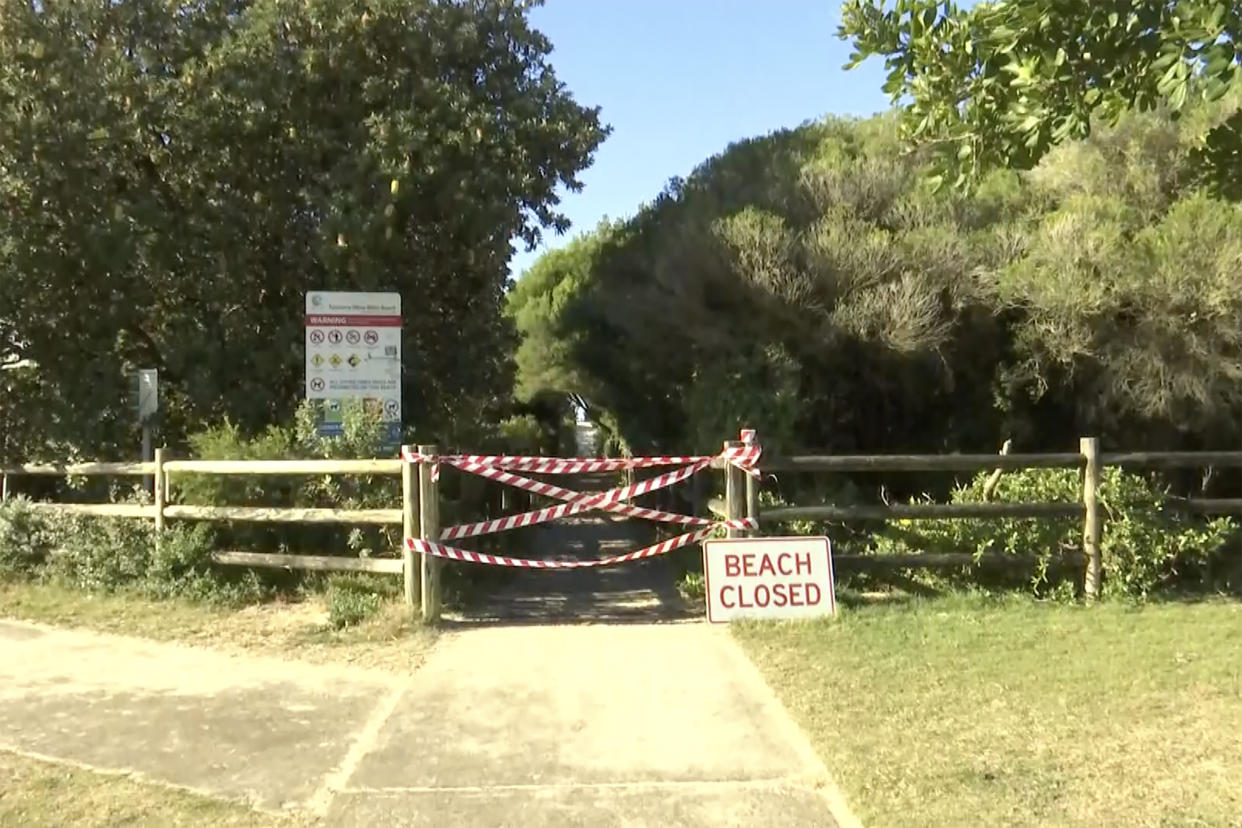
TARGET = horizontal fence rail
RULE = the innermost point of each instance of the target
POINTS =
(921, 511)
(261, 514)
(1173, 459)
(127, 510)
(83, 469)
(316, 563)
(279, 467)
(920, 462)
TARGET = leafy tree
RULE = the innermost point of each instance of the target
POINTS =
(174, 177)
(1000, 83)
(812, 283)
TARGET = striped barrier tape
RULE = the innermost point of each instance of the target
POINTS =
(664, 547)
(576, 501)
(745, 457)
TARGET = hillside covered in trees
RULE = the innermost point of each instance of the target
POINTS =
(815, 284)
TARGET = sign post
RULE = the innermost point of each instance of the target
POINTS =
(768, 578)
(147, 401)
(353, 351)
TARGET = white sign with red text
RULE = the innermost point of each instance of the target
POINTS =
(353, 351)
(768, 578)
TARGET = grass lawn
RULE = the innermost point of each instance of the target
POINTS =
(391, 640)
(969, 711)
(37, 793)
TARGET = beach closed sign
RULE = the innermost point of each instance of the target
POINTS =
(768, 578)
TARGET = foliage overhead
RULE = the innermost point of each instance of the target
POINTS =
(1000, 83)
(812, 283)
(174, 177)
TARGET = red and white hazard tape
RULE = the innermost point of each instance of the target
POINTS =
(501, 469)
(664, 547)
(554, 465)
(576, 501)
(745, 457)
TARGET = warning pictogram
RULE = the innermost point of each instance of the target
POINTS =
(352, 337)
(334, 337)
(391, 408)
(316, 337)
(353, 360)
(335, 359)
(317, 360)
(316, 384)
(371, 337)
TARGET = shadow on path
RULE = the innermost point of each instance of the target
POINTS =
(637, 592)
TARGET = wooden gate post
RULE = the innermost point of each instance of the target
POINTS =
(160, 491)
(409, 527)
(735, 492)
(1091, 528)
(752, 494)
(429, 529)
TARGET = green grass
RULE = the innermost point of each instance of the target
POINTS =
(39, 794)
(969, 711)
(297, 629)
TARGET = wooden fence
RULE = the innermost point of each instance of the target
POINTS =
(419, 512)
(741, 496)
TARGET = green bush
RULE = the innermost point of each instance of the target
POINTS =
(1146, 547)
(99, 554)
(692, 586)
(25, 539)
(362, 438)
(351, 601)
(102, 554)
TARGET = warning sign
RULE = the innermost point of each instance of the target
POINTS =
(768, 578)
(339, 368)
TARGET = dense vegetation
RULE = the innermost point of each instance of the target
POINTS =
(997, 84)
(812, 284)
(816, 284)
(174, 177)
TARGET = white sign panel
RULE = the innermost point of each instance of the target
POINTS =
(353, 351)
(148, 393)
(768, 578)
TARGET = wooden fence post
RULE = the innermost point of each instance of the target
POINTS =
(735, 492)
(4, 487)
(159, 491)
(752, 495)
(429, 529)
(167, 486)
(1091, 528)
(409, 527)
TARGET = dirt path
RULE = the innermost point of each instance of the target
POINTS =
(639, 591)
(587, 698)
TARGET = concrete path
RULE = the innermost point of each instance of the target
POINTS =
(517, 718)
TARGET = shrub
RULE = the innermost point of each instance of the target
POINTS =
(25, 539)
(1145, 546)
(99, 554)
(693, 586)
(350, 602)
(362, 438)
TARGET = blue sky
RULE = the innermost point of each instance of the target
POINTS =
(679, 80)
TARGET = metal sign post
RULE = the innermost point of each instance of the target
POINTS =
(147, 402)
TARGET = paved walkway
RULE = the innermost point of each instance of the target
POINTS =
(515, 720)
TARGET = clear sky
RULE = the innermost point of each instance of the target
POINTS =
(679, 80)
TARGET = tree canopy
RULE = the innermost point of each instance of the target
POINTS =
(1000, 83)
(174, 177)
(812, 283)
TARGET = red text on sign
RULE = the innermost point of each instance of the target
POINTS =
(777, 595)
(750, 565)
